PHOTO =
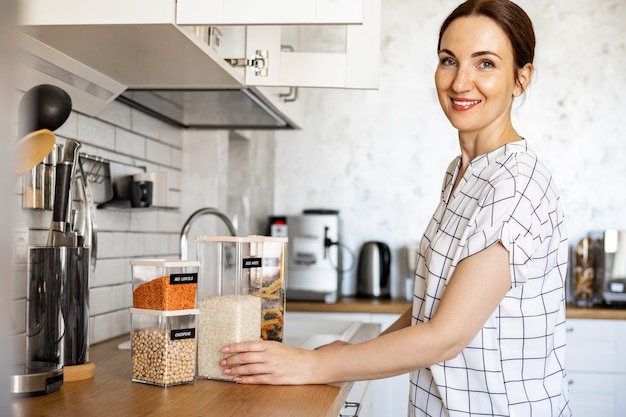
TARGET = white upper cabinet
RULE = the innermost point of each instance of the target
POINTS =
(319, 56)
(95, 12)
(156, 44)
(269, 12)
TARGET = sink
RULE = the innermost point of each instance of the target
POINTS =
(309, 334)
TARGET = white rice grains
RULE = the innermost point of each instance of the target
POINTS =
(223, 320)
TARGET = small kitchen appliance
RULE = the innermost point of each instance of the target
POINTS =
(373, 276)
(315, 260)
(613, 271)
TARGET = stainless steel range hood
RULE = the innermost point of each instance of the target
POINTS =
(194, 105)
(242, 108)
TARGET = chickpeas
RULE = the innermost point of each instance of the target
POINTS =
(159, 360)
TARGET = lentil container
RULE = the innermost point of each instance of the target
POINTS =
(160, 284)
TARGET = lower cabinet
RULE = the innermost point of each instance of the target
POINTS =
(377, 398)
(359, 401)
(596, 367)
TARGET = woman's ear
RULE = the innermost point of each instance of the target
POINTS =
(523, 78)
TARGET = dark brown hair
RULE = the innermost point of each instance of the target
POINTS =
(512, 20)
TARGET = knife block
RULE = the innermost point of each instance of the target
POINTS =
(57, 305)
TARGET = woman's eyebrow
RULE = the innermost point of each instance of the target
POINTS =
(480, 53)
(474, 55)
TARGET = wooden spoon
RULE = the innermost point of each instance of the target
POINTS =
(32, 149)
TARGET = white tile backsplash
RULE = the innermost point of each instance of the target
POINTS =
(130, 143)
(95, 131)
(144, 220)
(110, 299)
(111, 272)
(109, 325)
(159, 152)
(117, 114)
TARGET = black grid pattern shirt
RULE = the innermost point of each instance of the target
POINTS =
(515, 366)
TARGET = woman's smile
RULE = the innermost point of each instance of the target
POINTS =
(462, 104)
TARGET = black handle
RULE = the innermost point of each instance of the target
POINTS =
(385, 262)
(62, 191)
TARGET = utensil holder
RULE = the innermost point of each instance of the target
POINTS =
(57, 305)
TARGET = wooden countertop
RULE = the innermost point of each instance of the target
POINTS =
(399, 306)
(596, 312)
(351, 305)
(112, 393)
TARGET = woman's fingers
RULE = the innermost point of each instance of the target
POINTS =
(266, 362)
(245, 347)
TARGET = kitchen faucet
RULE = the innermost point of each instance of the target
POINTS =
(201, 212)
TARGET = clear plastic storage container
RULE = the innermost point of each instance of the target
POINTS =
(241, 295)
(160, 284)
(163, 346)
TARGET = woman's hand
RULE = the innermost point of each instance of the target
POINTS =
(269, 362)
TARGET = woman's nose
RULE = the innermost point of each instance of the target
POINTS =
(462, 80)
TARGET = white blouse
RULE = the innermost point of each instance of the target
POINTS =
(515, 366)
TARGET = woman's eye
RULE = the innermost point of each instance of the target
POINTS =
(485, 64)
(447, 62)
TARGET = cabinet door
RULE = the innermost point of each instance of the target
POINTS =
(592, 345)
(593, 395)
(356, 66)
(276, 12)
(358, 401)
(96, 12)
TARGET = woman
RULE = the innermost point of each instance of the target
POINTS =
(486, 333)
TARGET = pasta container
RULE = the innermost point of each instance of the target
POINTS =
(160, 284)
(241, 294)
(163, 346)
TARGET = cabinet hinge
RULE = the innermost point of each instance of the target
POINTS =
(260, 62)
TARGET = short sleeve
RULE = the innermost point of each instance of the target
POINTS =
(503, 215)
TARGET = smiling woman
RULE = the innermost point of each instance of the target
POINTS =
(486, 332)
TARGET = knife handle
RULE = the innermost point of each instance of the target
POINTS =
(62, 191)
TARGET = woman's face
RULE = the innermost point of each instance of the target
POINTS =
(475, 77)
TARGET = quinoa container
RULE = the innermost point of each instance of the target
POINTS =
(241, 295)
(163, 346)
(160, 284)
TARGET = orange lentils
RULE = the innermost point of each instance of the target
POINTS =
(160, 294)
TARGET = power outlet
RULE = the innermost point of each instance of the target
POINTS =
(20, 246)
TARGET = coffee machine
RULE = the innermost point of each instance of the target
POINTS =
(314, 260)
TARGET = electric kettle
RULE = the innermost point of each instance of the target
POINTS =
(373, 275)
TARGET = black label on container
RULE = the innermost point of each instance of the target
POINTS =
(252, 263)
(182, 334)
(271, 262)
(184, 278)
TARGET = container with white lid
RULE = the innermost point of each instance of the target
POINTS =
(163, 346)
(162, 284)
(241, 294)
